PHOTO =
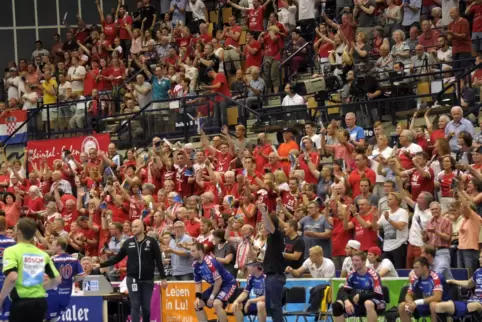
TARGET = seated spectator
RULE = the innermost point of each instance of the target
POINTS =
(317, 265)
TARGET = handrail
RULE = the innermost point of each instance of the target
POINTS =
(296, 52)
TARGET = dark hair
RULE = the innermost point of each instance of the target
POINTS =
(3, 223)
(125, 7)
(118, 226)
(422, 154)
(467, 137)
(293, 224)
(422, 261)
(9, 194)
(206, 221)
(296, 31)
(220, 233)
(62, 242)
(429, 250)
(27, 228)
(391, 182)
(199, 246)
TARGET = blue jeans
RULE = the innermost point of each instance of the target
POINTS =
(468, 258)
(274, 296)
(441, 263)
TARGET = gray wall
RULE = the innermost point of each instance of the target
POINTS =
(22, 22)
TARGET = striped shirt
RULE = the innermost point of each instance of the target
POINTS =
(440, 224)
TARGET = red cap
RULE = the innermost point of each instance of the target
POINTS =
(375, 250)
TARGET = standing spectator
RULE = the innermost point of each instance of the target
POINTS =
(408, 149)
(255, 14)
(475, 9)
(147, 12)
(361, 171)
(468, 235)
(459, 33)
(76, 75)
(178, 12)
(306, 17)
(411, 13)
(394, 223)
(438, 233)
(365, 11)
(362, 223)
(357, 134)
(219, 85)
(294, 245)
(124, 21)
(457, 125)
(180, 258)
(273, 265)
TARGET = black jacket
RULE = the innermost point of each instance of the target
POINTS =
(141, 258)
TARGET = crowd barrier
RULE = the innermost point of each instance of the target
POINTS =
(176, 303)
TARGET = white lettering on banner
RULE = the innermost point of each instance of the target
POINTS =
(180, 301)
(179, 319)
(76, 315)
(33, 269)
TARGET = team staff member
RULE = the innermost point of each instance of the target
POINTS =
(24, 266)
(142, 253)
(252, 300)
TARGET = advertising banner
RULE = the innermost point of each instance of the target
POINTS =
(178, 303)
(83, 308)
(51, 150)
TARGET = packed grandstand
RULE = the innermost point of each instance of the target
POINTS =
(349, 130)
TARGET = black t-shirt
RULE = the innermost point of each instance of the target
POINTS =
(294, 245)
(148, 12)
(202, 68)
(225, 251)
(273, 260)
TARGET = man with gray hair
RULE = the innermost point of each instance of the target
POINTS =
(181, 261)
(254, 87)
(408, 149)
(457, 125)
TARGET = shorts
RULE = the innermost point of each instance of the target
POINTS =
(252, 309)
(227, 290)
(422, 310)
(28, 309)
(461, 309)
(56, 305)
(5, 311)
(360, 310)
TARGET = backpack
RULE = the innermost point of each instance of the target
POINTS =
(320, 299)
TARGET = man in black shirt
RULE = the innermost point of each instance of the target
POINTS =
(274, 266)
(208, 61)
(294, 245)
(149, 12)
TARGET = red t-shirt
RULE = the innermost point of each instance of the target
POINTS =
(446, 181)
(89, 81)
(366, 236)
(117, 74)
(461, 26)
(259, 159)
(315, 159)
(193, 228)
(477, 22)
(90, 250)
(339, 238)
(324, 49)
(255, 19)
(253, 59)
(289, 200)
(224, 89)
(34, 205)
(105, 84)
(110, 31)
(419, 183)
(355, 178)
(206, 38)
(119, 214)
(69, 218)
(122, 22)
(223, 161)
(272, 47)
(230, 41)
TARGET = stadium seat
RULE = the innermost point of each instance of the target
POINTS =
(295, 295)
(311, 309)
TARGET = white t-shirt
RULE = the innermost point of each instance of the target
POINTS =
(27, 98)
(77, 85)
(198, 10)
(316, 138)
(347, 265)
(326, 270)
(419, 218)
(63, 89)
(394, 238)
(386, 153)
(387, 264)
(14, 92)
(306, 9)
(143, 100)
(291, 101)
(412, 148)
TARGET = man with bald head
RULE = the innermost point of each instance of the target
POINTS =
(459, 33)
(60, 183)
(143, 253)
(421, 62)
(457, 125)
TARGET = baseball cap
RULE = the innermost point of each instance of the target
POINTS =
(209, 69)
(288, 129)
(375, 250)
(354, 244)
(255, 263)
(13, 69)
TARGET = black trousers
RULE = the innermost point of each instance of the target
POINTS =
(32, 310)
(398, 256)
(140, 297)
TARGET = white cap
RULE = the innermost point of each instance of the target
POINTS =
(188, 146)
(354, 244)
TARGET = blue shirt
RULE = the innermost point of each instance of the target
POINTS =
(434, 282)
(181, 265)
(5, 242)
(68, 267)
(210, 270)
(177, 15)
(363, 284)
(356, 134)
(456, 128)
(255, 286)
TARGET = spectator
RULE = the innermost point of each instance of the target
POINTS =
(180, 258)
(317, 265)
(382, 266)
